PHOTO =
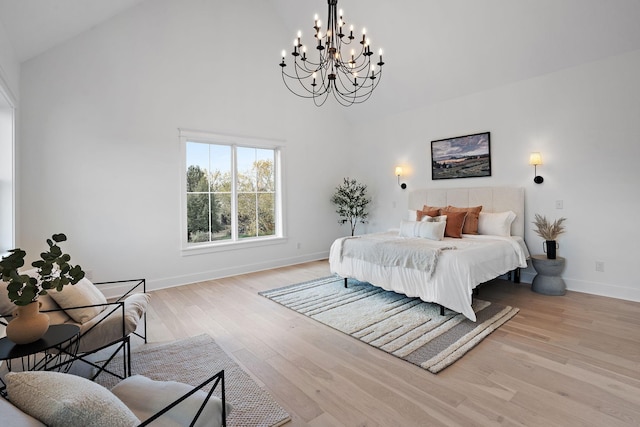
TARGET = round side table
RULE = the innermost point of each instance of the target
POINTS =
(548, 280)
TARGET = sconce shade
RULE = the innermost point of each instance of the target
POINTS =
(535, 159)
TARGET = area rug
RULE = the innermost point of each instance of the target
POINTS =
(191, 361)
(408, 328)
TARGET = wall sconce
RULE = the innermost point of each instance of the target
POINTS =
(535, 159)
(398, 173)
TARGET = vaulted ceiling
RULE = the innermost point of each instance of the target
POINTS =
(434, 49)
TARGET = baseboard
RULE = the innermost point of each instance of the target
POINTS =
(155, 284)
(593, 288)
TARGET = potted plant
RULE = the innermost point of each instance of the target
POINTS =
(351, 203)
(53, 271)
(549, 232)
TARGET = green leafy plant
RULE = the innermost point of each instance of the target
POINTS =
(547, 230)
(53, 270)
(351, 203)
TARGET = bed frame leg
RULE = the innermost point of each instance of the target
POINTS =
(516, 275)
(345, 282)
(441, 310)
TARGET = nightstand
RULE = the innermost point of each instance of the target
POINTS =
(548, 280)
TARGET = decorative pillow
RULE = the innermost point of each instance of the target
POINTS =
(432, 230)
(455, 220)
(408, 228)
(81, 294)
(66, 400)
(470, 225)
(439, 218)
(496, 224)
(421, 215)
(145, 397)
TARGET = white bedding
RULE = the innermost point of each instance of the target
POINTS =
(475, 259)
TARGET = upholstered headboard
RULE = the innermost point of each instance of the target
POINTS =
(492, 199)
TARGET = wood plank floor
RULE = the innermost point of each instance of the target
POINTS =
(562, 361)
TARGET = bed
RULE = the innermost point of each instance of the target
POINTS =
(444, 271)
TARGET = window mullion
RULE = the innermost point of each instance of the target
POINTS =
(234, 194)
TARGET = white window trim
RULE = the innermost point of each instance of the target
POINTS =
(239, 141)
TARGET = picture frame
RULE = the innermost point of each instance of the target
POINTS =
(467, 156)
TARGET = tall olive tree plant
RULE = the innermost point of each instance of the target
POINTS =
(351, 203)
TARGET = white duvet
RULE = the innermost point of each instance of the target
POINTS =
(465, 264)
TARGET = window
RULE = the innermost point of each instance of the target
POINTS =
(231, 190)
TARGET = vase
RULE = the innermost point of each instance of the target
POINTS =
(549, 248)
(28, 324)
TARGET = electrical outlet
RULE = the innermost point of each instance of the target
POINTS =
(559, 204)
(600, 266)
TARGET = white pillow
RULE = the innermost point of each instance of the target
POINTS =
(433, 230)
(495, 223)
(81, 294)
(408, 228)
(440, 218)
(67, 400)
(145, 397)
(413, 215)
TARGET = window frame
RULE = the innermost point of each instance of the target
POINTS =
(233, 141)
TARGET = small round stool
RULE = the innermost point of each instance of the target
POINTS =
(548, 280)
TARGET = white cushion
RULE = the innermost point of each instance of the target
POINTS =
(81, 294)
(14, 417)
(495, 223)
(433, 230)
(408, 228)
(66, 400)
(158, 394)
(439, 218)
(110, 329)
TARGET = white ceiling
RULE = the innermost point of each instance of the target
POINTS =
(33, 26)
(433, 49)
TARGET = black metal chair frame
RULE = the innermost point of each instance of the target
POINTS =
(218, 378)
(123, 343)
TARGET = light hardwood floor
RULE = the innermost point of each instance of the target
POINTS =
(562, 361)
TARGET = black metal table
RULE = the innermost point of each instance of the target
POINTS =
(54, 351)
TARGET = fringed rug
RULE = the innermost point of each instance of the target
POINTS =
(408, 328)
(191, 361)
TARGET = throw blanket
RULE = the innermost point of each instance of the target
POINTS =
(380, 249)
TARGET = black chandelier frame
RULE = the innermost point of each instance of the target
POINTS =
(351, 81)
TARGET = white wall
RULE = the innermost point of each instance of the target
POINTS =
(584, 121)
(100, 144)
(100, 149)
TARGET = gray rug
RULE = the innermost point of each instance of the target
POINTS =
(408, 328)
(191, 361)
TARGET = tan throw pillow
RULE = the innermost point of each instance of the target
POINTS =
(420, 215)
(83, 293)
(455, 220)
(67, 400)
(470, 225)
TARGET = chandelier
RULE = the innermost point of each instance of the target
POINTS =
(348, 74)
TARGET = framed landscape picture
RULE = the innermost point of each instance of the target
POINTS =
(466, 156)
